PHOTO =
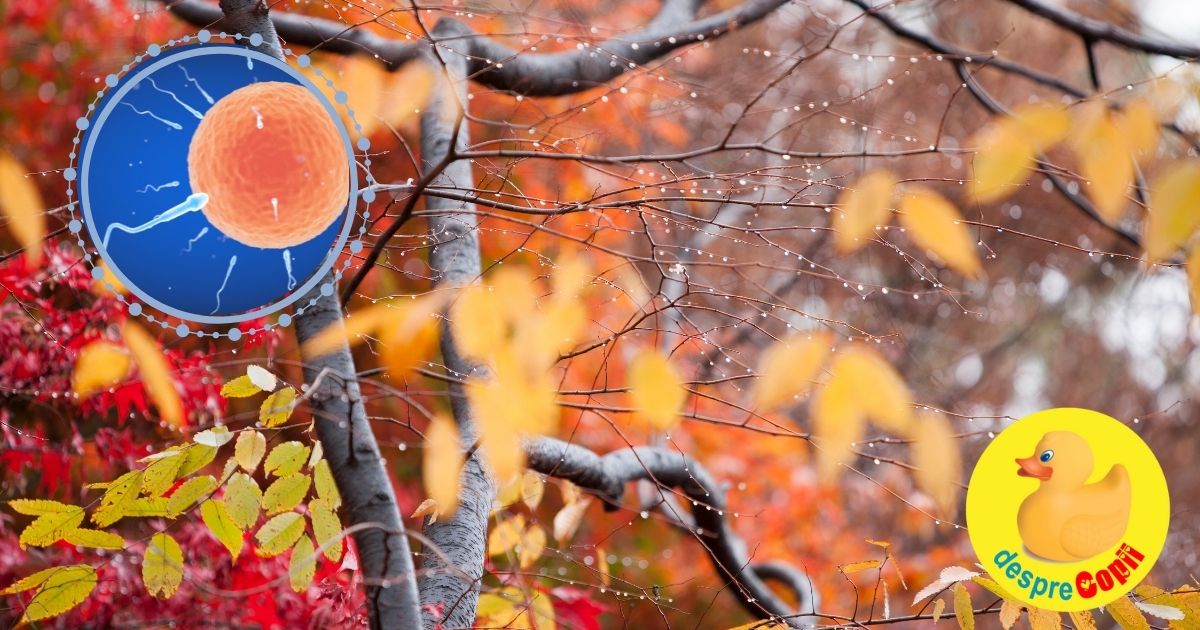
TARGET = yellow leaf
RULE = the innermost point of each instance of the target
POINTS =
(303, 565)
(442, 464)
(1106, 159)
(22, 206)
(509, 608)
(410, 335)
(1125, 613)
(532, 489)
(117, 498)
(838, 422)
(326, 487)
(162, 566)
(50, 528)
(348, 330)
(39, 507)
(939, 606)
(429, 508)
(94, 538)
(286, 493)
(189, 492)
(505, 535)
(1002, 161)
(279, 533)
(108, 282)
(861, 208)
(1042, 619)
(568, 520)
(195, 457)
(855, 567)
(215, 437)
(159, 476)
(60, 590)
(602, 565)
(99, 366)
(531, 546)
(1173, 217)
(30, 581)
(216, 517)
(277, 408)
(878, 388)
(285, 459)
(963, 611)
(249, 450)
(939, 464)
(406, 92)
(262, 378)
(499, 409)
(1010, 613)
(240, 387)
(1139, 125)
(243, 500)
(155, 373)
(655, 389)
(147, 507)
(934, 224)
(991, 586)
(1083, 620)
(475, 317)
(787, 369)
(327, 528)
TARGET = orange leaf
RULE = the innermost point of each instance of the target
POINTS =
(155, 373)
(22, 206)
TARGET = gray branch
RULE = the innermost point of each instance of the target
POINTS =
(607, 476)
(342, 424)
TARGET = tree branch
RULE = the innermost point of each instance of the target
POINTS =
(607, 476)
(1098, 30)
(342, 424)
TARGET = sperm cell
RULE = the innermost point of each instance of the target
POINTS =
(197, 84)
(193, 203)
(192, 241)
(257, 117)
(228, 272)
(149, 187)
(287, 265)
(275, 207)
(174, 125)
(191, 110)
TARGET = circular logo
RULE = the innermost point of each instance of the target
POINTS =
(217, 183)
(1067, 509)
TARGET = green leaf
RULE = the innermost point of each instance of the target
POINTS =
(60, 591)
(117, 499)
(286, 493)
(327, 527)
(162, 566)
(94, 538)
(29, 581)
(326, 487)
(285, 459)
(240, 387)
(195, 457)
(220, 523)
(279, 534)
(49, 529)
(277, 408)
(189, 492)
(147, 507)
(243, 498)
(303, 566)
(38, 507)
(160, 475)
(249, 450)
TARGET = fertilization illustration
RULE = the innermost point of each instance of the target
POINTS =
(216, 182)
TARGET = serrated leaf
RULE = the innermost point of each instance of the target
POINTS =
(442, 464)
(531, 546)
(39, 507)
(162, 566)
(788, 368)
(159, 476)
(429, 508)
(1006, 148)
(532, 489)
(855, 567)
(655, 389)
(215, 437)
(1010, 613)
(286, 493)
(278, 534)
(327, 528)
(318, 453)
(147, 507)
(949, 575)
(934, 224)
(99, 366)
(262, 378)
(1042, 619)
(1125, 613)
(505, 535)
(189, 492)
(1169, 613)
(22, 206)
(50, 528)
(243, 499)
(862, 207)
(1173, 218)
(195, 457)
(508, 607)
(326, 487)
(939, 607)
(568, 520)
(60, 591)
(155, 373)
(285, 459)
(30, 581)
(963, 610)
(303, 565)
(94, 538)
(1082, 619)
(218, 520)
(119, 495)
(240, 387)
(249, 450)
(939, 464)
(1105, 157)
(277, 408)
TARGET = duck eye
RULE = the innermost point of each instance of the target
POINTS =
(1046, 456)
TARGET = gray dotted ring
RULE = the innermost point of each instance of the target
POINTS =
(359, 205)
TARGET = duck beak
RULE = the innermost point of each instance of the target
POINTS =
(1031, 467)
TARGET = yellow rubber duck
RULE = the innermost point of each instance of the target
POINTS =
(1067, 519)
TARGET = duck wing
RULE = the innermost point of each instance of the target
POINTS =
(1089, 534)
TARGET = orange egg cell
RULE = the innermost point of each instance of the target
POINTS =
(273, 164)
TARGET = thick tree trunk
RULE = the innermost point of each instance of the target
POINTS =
(342, 424)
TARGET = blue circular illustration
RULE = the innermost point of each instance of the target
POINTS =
(276, 168)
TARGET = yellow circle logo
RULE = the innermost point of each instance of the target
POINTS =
(1067, 509)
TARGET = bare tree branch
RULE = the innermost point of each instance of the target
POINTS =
(1097, 30)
